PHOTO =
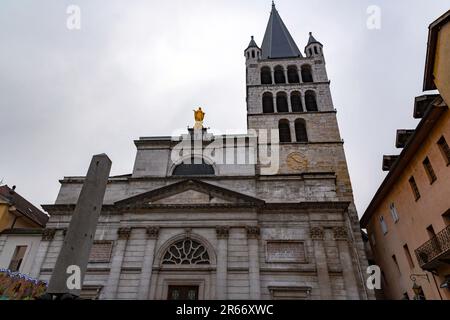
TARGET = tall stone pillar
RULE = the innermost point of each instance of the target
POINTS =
(222, 263)
(47, 238)
(147, 265)
(116, 264)
(317, 235)
(81, 231)
(351, 286)
(253, 262)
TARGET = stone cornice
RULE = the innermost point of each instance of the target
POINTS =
(277, 86)
(23, 231)
(59, 209)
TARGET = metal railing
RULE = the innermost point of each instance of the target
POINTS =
(434, 247)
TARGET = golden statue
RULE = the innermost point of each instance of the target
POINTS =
(199, 115)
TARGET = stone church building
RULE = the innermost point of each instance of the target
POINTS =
(239, 228)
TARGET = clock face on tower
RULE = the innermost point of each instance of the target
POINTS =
(296, 161)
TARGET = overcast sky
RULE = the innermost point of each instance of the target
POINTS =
(137, 68)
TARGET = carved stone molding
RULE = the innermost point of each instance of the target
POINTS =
(340, 233)
(152, 232)
(222, 232)
(317, 233)
(48, 234)
(252, 232)
(124, 233)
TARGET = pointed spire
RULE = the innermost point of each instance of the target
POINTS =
(312, 40)
(252, 43)
(278, 42)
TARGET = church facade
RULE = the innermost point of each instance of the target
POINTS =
(265, 215)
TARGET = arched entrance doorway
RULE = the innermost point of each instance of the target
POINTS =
(185, 269)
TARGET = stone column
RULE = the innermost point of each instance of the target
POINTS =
(116, 264)
(292, 130)
(222, 263)
(253, 262)
(147, 265)
(351, 286)
(288, 94)
(317, 235)
(47, 238)
(302, 97)
(272, 73)
(286, 76)
(275, 107)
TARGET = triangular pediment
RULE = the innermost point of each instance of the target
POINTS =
(190, 192)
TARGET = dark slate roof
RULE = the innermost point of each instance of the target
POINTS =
(278, 42)
(312, 40)
(23, 206)
(252, 44)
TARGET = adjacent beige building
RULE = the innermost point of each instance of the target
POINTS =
(408, 220)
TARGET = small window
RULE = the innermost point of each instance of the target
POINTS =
(17, 258)
(282, 102)
(394, 259)
(445, 150)
(408, 256)
(266, 75)
(284, 131)
(394, 212)
(429, 170)
(300, 131)
(293, 75)
(296, 102)
(193, 167)
(315, 50)
(383, 225)
(306, 74)
(310, 101)
(253, 54)
(267, 103)
(279, 75)
(414, 188)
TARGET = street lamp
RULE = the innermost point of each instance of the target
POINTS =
(418, 292)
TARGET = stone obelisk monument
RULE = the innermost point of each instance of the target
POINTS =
(74, 255)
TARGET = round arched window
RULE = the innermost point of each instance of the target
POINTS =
(186, 251)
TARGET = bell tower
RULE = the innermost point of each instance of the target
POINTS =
(289, 93)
